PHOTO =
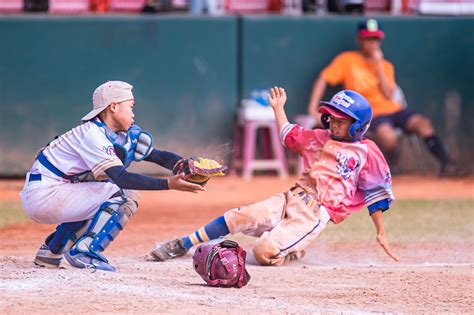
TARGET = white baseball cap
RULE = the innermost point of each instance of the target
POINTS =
(108, 93)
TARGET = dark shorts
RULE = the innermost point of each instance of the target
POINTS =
(398, 119)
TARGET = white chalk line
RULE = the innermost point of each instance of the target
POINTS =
(396, 265)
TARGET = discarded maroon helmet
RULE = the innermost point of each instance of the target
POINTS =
(221, 263)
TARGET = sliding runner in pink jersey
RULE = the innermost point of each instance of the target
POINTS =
(343, 173)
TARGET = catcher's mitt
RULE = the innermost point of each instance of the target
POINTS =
(199, 170)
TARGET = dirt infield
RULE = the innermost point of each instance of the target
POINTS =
(334, 277)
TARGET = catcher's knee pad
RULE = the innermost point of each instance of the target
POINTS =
(107, 223)
(267, 253)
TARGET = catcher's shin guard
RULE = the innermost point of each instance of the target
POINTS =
(111, 218)
(56, 244)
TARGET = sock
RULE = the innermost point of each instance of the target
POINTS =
(210, 231)
(437, 148)
(64, 233)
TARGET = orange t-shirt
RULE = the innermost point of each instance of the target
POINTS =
(354, 72)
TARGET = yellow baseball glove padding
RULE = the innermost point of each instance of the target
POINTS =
(199, 170)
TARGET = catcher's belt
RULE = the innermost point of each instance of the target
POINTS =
(305, 197)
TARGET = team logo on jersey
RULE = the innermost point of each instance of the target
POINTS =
(346, 165)
(109, 150)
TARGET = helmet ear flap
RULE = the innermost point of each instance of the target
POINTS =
(325, 120)
(353, 130)
(357, 130)
(363, 129)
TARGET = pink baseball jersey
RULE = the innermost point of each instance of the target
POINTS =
(342, 176)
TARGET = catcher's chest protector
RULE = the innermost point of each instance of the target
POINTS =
(133, 145)
(221, 263)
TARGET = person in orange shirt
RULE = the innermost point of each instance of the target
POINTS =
(367, 72)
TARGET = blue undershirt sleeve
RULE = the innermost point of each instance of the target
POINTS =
(383, 205)
(163, 158)
(126, 180)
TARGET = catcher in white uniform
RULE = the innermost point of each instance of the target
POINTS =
(79, 180)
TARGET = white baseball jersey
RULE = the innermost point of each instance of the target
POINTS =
(85, 147)
(55, 200)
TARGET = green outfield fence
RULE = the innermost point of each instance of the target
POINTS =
(189, 73)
